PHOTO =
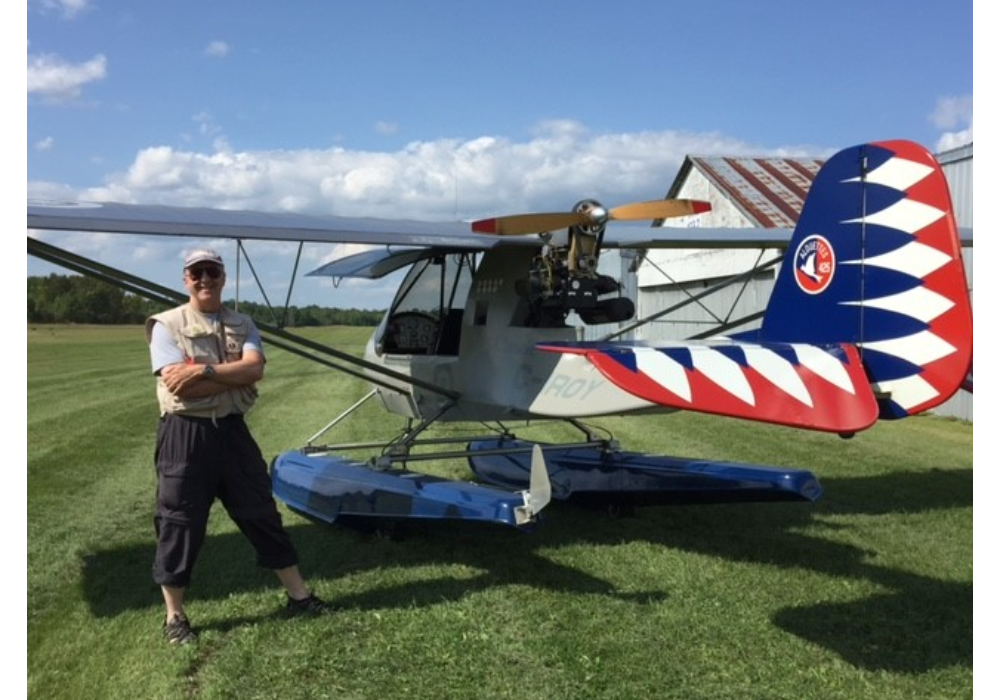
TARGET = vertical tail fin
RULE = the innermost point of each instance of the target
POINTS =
(876, 261)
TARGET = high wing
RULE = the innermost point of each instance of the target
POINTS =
(110, 217)
(203, 222)
(630, 236)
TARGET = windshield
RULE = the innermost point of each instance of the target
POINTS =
(426, 314)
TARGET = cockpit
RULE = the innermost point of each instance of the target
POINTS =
(426, 316)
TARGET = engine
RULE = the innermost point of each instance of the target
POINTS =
(564, 277)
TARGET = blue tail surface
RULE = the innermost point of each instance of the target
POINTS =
(876, 261)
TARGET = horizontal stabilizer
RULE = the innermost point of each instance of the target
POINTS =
(794, 384)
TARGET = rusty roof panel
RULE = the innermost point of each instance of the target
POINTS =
(770, 191)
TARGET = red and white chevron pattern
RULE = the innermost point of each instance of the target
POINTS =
(791, 384)
(932, 256)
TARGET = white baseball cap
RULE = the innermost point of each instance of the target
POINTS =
(203, 255)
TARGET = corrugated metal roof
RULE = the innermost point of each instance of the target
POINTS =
(769, 191)
(955, 154)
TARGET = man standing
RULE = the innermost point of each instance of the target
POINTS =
(207, 360)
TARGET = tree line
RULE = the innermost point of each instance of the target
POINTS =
(80, 299)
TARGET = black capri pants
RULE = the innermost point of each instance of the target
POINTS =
(197, 461)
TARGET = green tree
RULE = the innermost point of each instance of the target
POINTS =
(79, 299)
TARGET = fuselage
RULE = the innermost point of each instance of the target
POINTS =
(482, 347)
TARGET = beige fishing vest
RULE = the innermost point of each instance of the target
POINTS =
(205, 342)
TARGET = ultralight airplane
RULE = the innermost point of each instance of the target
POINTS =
(869, 319)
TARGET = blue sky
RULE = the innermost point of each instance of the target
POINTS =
(450, 109)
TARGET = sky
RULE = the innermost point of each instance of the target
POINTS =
(456, 109)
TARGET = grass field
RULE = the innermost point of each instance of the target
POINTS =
(866, 594)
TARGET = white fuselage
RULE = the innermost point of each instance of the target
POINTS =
(498, 372)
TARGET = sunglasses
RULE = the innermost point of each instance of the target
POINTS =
(212, 271)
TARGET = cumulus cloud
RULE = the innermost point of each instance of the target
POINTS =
(954, 115)
(52, 78)
(443, 179)
(45, 144)
(217, 49)
(52, 191)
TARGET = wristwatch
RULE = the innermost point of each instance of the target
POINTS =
(208, 370)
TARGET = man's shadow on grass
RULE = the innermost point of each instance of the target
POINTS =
(934, 615)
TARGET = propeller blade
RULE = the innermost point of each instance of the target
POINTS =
(520, 224)
(659, 209)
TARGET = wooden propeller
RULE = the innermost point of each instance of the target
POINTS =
(520, 224)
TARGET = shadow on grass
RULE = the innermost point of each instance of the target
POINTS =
(933, 616)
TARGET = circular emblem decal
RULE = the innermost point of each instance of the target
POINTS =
(815, 264)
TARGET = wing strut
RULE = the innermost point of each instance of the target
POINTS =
(277, 337)
(692, 299)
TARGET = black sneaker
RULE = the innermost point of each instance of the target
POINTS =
(310, 605)
(178, 630)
